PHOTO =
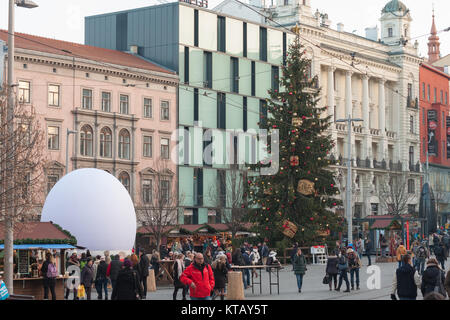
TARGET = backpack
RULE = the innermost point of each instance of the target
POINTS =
(51, 271)
(421, 252)
(343, 264)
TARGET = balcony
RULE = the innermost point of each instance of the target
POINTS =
(358, 129)
(363, 163)
(380, 164)
(395, 166)
(412, 103)
(414, 168)
(391, 134)
(375, 132)
(341, 127)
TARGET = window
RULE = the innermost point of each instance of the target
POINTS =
(86, 138)
(429, 93)
(164, 148)
(123, 104)
(53, 95)
(411, 124)
(275, 74)
(245, 114)
(435, 95)
(53, 138)
(24, 91)
(87, 99)
(147, 191)
(106, 101)
(411, 208)
(221, 112)
(285, 48)
(148, 108)
(124, 144)
(411, 186)
(147, 146)
(443, 120)
(221, 34)
(198, 187)
(124, 178)
(165, 189)
(234, 75)
(446, 98)
(196, 27)
(105, 143)
(374, 208)
(51, 181)
(186, 65)
(390, 32)
(213, 217)
(207, 69)
(442, 97)
(188, 215)
(423, 116)
(253, 78)
(245, 38)
(423, 90)
(195, 104)
(164, 110)
(424, 146)
(411, 156)
(262, 44)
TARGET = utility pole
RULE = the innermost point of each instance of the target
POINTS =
(9, 205)
(348, 189)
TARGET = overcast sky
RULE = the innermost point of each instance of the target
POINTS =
(64, 19)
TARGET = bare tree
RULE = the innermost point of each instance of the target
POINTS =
(394, 195)
(21, 173)
(159, 202)
(229, 199)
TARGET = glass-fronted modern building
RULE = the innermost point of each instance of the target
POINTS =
(226, 66)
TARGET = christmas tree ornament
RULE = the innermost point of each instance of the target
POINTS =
(294, 160)
(305, 187)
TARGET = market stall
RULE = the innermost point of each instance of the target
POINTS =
(31, 242)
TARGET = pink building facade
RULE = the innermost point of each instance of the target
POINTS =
(122, 107)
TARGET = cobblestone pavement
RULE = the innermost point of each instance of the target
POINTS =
(312, 289)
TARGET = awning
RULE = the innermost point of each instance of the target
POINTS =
(39, 246)
(383, 224)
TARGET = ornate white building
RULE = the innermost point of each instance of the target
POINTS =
(375, 78)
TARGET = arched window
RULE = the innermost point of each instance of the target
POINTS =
(105, 143)
(86, 137)
(124, 144)
(124, 178)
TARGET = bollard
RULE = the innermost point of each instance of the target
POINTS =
(235, 290)
(151, 283)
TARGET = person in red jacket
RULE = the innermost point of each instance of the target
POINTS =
(200, 278)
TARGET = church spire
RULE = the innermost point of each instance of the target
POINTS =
(434, 52)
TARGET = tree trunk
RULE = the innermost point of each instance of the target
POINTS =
(9, 254)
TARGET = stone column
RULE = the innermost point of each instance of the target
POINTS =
(382, 120)
(348, 94)
(330, 93)
(365, 113)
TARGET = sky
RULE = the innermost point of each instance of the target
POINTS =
(64, 19)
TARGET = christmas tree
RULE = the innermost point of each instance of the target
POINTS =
(303, 193)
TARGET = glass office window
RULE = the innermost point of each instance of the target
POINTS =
(252, 41)
(262, 44)
(234, 76)
(221, 34)
(275, 46)
(207, 109)
(234, 30)
(221, 73)
(263, 79)
(196, 61)
(186, 98)
(245, 83)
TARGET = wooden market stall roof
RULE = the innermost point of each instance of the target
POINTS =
(385, 221)
(189, 229)
(37, 232)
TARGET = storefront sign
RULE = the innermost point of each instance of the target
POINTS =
(198, 3)
(432, 125)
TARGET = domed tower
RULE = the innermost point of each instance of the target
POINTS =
(434, 52)
(395, 23)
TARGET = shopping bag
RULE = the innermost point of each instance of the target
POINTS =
(81, 292)
(326, 279)
(4, 294)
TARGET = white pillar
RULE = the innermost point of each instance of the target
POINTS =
(382, 120)
(365, 103)
(348, 94)
(330, 94)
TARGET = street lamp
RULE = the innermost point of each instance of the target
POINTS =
(69, 132)
(9, 224)
(348, 190)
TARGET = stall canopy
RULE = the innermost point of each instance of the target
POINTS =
(39, 246)
(206, 229)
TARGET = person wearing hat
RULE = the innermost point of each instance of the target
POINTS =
(127, 285)
(354, 263)
(87, 277)
(433, 278)
(406, 280)
(101, 281)
(73, 261)
(343, 269)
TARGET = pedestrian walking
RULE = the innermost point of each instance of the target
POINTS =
(144, 263)
(354, 264)
(446, 241)
(83, 260)
(127, 285)
(72, 262)
(246, 271)
(154, 261)
(264, 253)
(332, 270)
(359, 248)
(433, 278)
(101, 280)
(299, 268)
(113, 270)
(49, 274)
(87, 277)
(368, 249)
(406, 281)
(422, 254)
(208, 256)
(220, 271)
(400, 252)
(439, 252)
(200, 277)
(178, 268)
(188, 259)
(293, 253)
(384, 245)
(343, 269)
(447, 284)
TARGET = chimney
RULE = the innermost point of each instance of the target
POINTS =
(134, 49)
(372, 33)
(340, 27)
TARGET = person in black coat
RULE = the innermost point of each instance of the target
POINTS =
(368, 248)
(101, 281)
(87, 277)
(220, 270)
(178, 268)
(343, 269)
(439, 252)
(127, 285)
(144, 264)
(332, 270)
(431, 277)
(406, 280)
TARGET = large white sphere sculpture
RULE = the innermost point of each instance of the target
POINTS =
(94, 207)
